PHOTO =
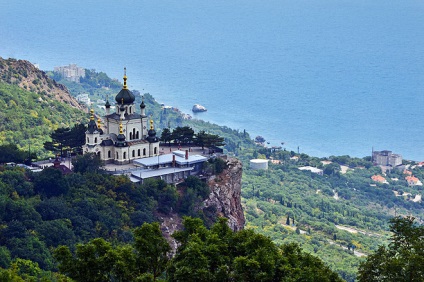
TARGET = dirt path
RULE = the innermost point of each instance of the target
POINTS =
(354, 231)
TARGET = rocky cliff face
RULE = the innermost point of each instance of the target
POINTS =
(25, 75)
(225, 194)
(225, 198)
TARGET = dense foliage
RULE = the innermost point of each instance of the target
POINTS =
(143, 260)
(43, 210)
(28, 119)
(217, 254)
(65, 139)
(402, 259)
(11, 153)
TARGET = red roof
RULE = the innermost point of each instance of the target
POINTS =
(378, 178)
(412, 179)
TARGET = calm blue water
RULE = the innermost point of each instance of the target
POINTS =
(331, 76)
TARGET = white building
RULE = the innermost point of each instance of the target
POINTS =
(258, 164)
(126, 136)
(83, 98)
(312, 169)
(171, 168)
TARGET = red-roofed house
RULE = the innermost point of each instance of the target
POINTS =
(379, 178)
(413, 181)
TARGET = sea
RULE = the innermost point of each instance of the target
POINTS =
(322, 77)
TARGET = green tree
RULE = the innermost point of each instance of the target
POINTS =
(200, 187)
(65, 138)
(60, 139)
(200, 138)
(11, 153)
(93, 261)
(50, 182)
(166, 136)
(219, 254)
(4, 257)
(402, 260)
(77, 137)
(304, 266)
(332, 169)
(183, 135)
(87, 163)
(152, 249)
(204, 139)
(166, 195)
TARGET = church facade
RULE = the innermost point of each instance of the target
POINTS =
(126, 135)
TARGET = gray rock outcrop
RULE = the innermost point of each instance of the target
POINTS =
(226, 194)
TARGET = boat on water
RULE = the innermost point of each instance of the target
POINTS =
(197, 108)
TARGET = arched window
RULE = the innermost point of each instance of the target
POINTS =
(134, 133)
(144, 151)
(117, 156)
(125, 155)
(133, 153)
(155, 150)
(108, 154)
(136, 136)
(131, 135)
(138, 152)
(95, 140)
(88, 140)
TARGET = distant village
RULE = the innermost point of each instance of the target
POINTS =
(385, 159)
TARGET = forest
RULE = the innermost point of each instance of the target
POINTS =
(41, 211)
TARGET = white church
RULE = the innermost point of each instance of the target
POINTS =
(126, 135)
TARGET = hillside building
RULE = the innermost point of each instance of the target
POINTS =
(71, 72)
(413, 181)
(312, 169)
(171, 168)
(379, 178)
(84, 98)
(386, 158)
(125, 136)
(257, 164)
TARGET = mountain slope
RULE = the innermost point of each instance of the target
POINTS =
(26, 76)
(33, 105)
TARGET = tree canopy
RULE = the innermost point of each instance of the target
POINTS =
(402, 259)
(65, 138)
(219, 254)
(87, 163)
(216, 254)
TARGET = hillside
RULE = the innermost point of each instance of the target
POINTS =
(26, 76)
(340, 216)
(33, 105)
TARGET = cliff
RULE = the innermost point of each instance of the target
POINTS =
(26, 76)
(225, 194)
(224, 198)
